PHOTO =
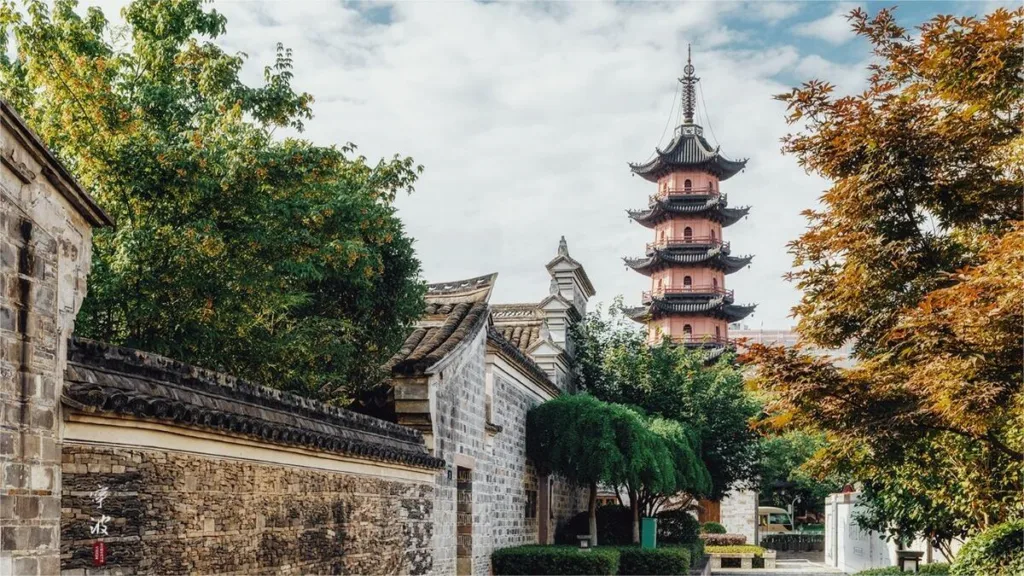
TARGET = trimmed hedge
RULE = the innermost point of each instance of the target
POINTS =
(667, 560)
(677, 527)
(936, 569)
(614, 527)
(723, 539)
(544, 560)
(998, 551)
(712, 528)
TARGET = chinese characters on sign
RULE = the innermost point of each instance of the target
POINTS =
(99, 526)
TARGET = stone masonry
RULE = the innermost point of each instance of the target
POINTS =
(46, 223)
(178, 513)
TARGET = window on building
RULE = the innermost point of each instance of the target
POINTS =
(531, 503)
(714, 284)
(713, 237)
(687, 185)
(687, 331)
(687, 282)
(718, 333)
(687, 234)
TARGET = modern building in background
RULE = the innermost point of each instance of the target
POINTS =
(689, 259)
(743, 336)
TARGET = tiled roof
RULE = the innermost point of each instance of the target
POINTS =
(520, 324)
(688, 151)
(715, 208)
(455, 311)
(521, 358)
(100, 378)
(717, 306)
(714, 257)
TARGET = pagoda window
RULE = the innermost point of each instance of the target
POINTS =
(714, 284)
(711, 187)
(687, 234)
(718, 333)
(687, 185)
(713, 237)
(687, 282)
(687, 331)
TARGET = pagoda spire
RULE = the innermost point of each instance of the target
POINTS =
(689, 82)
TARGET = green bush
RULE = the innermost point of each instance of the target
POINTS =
(614, 527)
(998, 551)
(936, 569)
(677, 527)
(544, 560)
(739, 549)
(712, 528)
(667, 560)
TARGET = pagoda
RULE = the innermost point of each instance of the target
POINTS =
(689, 258)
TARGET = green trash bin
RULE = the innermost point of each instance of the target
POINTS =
(648, 532)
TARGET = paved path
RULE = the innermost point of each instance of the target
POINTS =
(785, 567)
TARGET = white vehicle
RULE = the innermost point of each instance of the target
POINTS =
(774, 520)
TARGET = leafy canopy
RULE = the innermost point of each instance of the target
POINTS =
(267, 256)
(917, 255)
(615, 363)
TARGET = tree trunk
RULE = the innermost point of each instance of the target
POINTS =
(592, 508)
(634, 507)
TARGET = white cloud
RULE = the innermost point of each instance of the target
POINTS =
(525, 117)
(774, 12)
(834, 28)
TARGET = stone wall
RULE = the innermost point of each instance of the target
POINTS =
(739, 513)
(180, 513)
(45, 245)
(173, 469)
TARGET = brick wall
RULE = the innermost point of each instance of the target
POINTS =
(179, 513)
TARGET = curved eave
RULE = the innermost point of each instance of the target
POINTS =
(639, 314)
(720, 167)
(714, 209)
(737, 312)
(713, 258)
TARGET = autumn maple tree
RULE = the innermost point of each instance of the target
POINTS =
(916, 256)
(237, 246)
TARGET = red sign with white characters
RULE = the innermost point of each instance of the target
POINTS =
(99, 553)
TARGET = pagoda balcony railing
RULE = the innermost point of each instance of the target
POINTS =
(706, 290)
(675, 192)
(701, 340)
(695, 241)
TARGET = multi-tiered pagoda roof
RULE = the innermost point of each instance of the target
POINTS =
(688, 150)
(710, 205)
(715, 306)
(716, 257)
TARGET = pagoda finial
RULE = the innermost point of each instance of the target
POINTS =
(689, 81)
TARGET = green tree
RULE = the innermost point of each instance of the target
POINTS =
(588, 441)
(917, 256)
(787, 472)
(269, 257)
(615, 363)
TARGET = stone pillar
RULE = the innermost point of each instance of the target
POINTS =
(46, 225)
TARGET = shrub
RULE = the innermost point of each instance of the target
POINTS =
(738, 549)
(712, 528)
(724, 539)
(667, 560)
(543, 560)
(998, 551)
(614, 527)
(677, 527)
(937, 569)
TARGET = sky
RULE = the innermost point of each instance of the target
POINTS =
(524, 116)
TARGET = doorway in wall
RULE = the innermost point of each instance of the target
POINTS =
(464, 521)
